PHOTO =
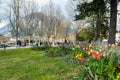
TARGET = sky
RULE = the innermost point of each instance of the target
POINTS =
(62, 4)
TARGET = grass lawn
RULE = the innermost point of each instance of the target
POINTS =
(26, 64)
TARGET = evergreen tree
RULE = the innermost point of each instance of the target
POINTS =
(113, 20)
(99, 8)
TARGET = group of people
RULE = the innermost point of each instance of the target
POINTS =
(65, 44)
(20, 43)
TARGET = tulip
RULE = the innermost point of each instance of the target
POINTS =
(94, 55)
(99, 56)
(113, 45)
(109, 45)
(88, 52)
(82, 60)
(78, 55)
(90, 45)
(92, 51)
(87, 49)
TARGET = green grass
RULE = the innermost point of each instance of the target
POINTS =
(26, 64)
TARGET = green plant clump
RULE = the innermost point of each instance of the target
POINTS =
(55, 52)
(40, 48)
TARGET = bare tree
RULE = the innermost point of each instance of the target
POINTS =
(13, 14)
(60, 18)
(79, 25)
(71, 6)
(29, 19)
(0, 11)
(76, 25)
(49, 10)
(40, 26)
(66, 29)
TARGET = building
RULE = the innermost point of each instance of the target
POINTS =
(3, 39)
(117, 37)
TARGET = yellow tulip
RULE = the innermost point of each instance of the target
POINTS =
(118, 76)
(79, 55)
(113, 45)
(90, 45)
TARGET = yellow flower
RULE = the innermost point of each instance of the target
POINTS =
(119, 73)
(92, 51)
(78, 55)
(90, 45)
(118, 76)
(113, 45)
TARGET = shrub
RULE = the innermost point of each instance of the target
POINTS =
(40, 48)
(55, 52)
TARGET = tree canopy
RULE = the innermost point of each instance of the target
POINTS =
(86, 34)
(99, 8)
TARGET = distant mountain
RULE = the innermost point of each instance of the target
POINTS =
(4, 30)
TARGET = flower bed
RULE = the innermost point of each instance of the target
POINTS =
(98, 63)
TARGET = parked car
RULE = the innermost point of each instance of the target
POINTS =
(4, 45)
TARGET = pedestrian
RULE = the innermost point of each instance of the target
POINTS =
(18, 43)
(4, 46)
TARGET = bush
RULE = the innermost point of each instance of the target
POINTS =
(55, 52)
(40, 48)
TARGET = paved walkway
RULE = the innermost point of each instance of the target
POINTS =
(15, 47)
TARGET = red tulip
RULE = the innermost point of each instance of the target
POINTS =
(82, 60)
(87, 49)
(109, 45)
(94, 55)
(99, 56)
(88, 52)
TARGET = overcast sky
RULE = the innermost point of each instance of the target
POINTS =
(62, 4)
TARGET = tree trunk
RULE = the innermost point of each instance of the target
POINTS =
(39, 41)
(48, 41)
(97, 28)
(113, 19)
(16, 31)
(16, 40)
(29, 40)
